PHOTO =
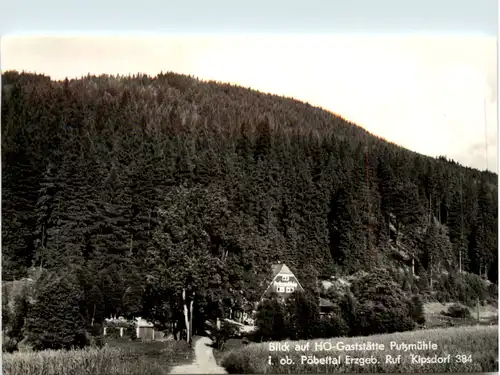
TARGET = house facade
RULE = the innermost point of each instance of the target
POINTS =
(283, 282)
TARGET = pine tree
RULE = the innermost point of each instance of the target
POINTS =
(430, 251)
(456, 226)
(347, 242)
(95, 306)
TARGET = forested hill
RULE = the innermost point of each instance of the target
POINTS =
(117, 176)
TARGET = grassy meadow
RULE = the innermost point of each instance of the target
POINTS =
(480, 342)
(119, 357)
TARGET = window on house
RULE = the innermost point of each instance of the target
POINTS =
(289, 289)
(284, 278)
(281, 289)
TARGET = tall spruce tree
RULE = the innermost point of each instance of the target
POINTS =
(55, 320)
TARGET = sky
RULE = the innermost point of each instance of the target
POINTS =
(228, 16)
(431, 94)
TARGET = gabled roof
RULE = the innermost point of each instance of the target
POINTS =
(281, 269)
(325, 303)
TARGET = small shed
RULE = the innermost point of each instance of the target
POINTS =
(144, 329)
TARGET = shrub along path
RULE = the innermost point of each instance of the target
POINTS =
(204, 362)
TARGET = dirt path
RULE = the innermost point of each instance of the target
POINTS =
(204, 362)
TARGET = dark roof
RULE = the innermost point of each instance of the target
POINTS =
(325, 303)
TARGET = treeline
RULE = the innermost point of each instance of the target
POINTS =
(118, 177)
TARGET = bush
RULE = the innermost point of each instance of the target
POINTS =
(9, 345)
(383, 307)
(96, 329)
(457, 311)
(331, 326)
(376, 318)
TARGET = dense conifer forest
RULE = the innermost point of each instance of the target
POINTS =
(135, 188)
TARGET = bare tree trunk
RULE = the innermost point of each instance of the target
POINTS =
(460, 258)
(176, 330)
(186, 317)
(191, 320)
(430, 273)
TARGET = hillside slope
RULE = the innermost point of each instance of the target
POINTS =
(119, 176)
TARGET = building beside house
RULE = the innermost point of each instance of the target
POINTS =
(325, 306)
(144, 330)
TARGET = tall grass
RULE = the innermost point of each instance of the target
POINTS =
(480, 342)
(119, 358)
(74, 362)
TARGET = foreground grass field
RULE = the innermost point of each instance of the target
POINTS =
(477, 347)
(119, 357)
